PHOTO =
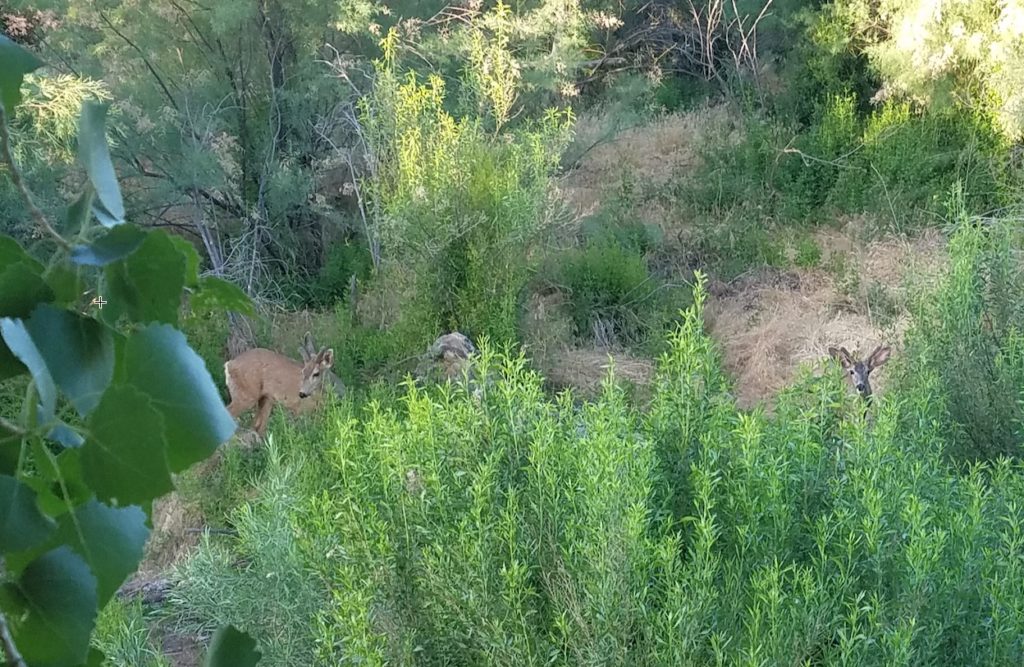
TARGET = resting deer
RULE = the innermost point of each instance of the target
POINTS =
(861, 370)
(453, 350)
(261, 378)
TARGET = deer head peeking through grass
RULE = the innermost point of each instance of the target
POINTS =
(859, 371)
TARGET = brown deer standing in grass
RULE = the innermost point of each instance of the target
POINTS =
(859, 371)
(260, 377)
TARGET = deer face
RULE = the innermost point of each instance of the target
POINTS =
(316, 368)
(859, 371)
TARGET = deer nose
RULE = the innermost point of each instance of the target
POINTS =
(303, 394)
(860, 386)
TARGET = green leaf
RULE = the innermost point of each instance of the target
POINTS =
(65, 283)
(22, 525)
(78, 351)
(159, 363)
(125, 455)
(115, 244)
(15, 63)
(95, 155)
(57, 477)
(109, 539)
(54, 609)
(20, 342)
(10, 450)
(219, 294)
(77, 219)
(148, 284)
(12, 253)
(23, 288)
(65, 435)
(232, 648)
(191, 255)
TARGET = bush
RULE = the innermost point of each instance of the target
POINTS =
(511, 528)
(261, 583)
(345, 259)
(460, 205)
(965, 344)
(910, 161)
(607, 283)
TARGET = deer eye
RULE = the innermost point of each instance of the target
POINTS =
(316, 374)
(851, 371)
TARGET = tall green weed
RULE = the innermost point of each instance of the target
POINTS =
(508, 527)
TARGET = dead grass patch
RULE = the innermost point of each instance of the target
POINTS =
(584, 370)
(650, 155)
(177, 527)
(768, 323)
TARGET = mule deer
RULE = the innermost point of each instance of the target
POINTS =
(261, 377)
(860, 371)
(451, 352)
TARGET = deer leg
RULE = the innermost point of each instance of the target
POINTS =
(262, 415)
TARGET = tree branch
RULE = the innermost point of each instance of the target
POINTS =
(145, 60)
(14, 658)
(19, 183)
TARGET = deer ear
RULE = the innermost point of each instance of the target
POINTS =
(328, 357)
(842, 355)
(879, 356)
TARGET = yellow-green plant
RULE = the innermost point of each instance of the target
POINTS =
(455, 206)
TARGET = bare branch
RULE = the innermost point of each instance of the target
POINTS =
(14, 658)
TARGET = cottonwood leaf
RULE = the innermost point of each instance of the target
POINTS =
(15, 63)
(191, 255)
(22, 525)
(65, 283)
(217, 293)
(95, 155)
(147, 285)
(23, 287)
(125, 455)
(78, 351)
(231, 647)
(19, 341)
(109, 539)
(159, 363)
(115, 244)
(52, 609)
(12, 253)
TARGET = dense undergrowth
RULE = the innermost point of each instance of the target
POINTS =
(435, 528)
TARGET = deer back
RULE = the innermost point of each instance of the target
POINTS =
(259, 373)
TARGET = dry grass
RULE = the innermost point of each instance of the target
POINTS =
(651, 155)
(769, 323)
(586, 369)
(176, 531)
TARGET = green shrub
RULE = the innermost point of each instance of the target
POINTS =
(965, 343)
(740, 241)
(344, 260)
(124, 638)
(516, 529)
(909, 162)
(608, 282)
(459, 205)
(808, 253)
(261, 583)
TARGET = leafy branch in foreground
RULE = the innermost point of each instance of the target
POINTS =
(115, 404)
